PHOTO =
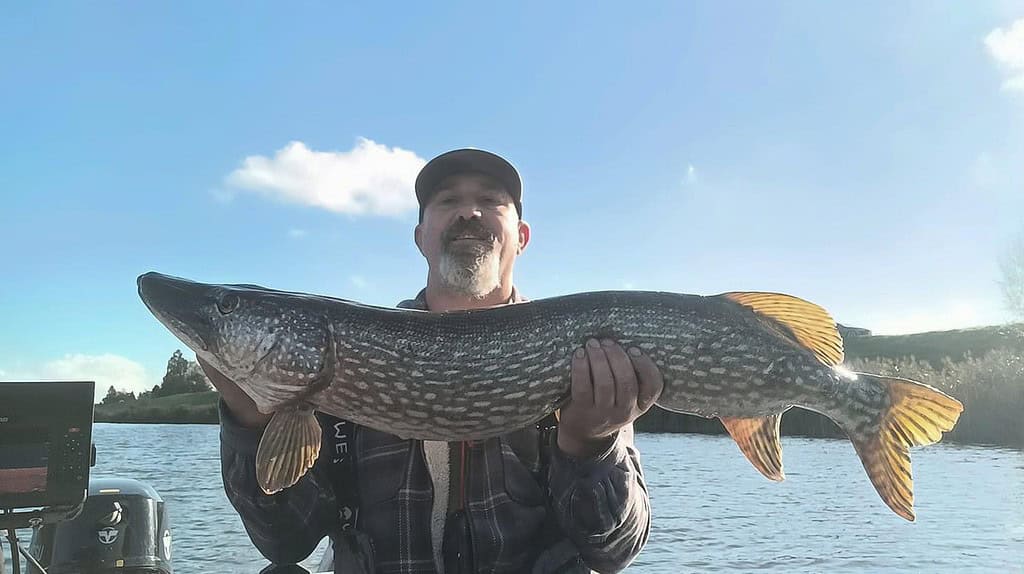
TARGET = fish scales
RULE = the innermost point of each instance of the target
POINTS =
(419, 343)
(743, 357)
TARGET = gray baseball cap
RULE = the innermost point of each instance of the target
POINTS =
(463, 160)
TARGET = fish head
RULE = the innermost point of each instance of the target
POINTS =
(275, 348)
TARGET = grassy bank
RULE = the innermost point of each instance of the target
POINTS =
(990, 387)
(938, 346)
(983, 368)
(185, 408)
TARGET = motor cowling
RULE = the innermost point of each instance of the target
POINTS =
(123, 527)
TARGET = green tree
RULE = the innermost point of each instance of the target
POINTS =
(197, 380)
(182, 376)
(154, 392)
(115, 396)
(175, 381)
(1012, 266)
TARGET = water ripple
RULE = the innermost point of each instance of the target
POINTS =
(712, 512)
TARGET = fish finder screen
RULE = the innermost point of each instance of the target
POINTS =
(24, 460)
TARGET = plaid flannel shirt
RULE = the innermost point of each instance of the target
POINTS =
(586, 514)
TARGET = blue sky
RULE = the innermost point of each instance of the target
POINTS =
(868, 157)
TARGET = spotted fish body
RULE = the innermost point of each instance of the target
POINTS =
(465, 375)
(476, 374)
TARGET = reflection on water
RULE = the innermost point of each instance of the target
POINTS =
(712, 510)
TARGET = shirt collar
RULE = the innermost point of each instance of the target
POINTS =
(420, 301)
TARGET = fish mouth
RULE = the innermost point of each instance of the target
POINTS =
(176, 303)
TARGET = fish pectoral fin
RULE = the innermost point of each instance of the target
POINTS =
(758, 439)
(289, 447)
(811, 325)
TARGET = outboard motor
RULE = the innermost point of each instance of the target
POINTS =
(122, 528)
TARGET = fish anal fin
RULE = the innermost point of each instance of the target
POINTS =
(758, 439)
(810, 324)
(289, 447)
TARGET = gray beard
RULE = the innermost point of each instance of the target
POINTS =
(473, 274)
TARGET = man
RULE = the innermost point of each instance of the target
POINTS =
(569, 500)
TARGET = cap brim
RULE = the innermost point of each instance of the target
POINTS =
(467, 160)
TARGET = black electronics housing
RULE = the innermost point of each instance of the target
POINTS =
(45, 443)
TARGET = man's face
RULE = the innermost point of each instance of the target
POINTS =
(471, 233)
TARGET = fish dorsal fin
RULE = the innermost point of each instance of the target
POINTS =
(812, 326)
(758, 439)
(289, 447)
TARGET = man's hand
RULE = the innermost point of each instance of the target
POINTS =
(241, 406)
(610, 389)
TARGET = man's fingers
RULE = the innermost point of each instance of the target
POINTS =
(649, 379)
(601, 374)
(582, 389)
(625, 375)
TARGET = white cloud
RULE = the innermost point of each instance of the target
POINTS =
(1006, 46)
(106, 370)
(297, 233)
(370, 179)
(359, 281)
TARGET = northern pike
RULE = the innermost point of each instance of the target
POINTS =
(743, 357)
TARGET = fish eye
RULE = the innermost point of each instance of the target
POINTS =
(228, 303)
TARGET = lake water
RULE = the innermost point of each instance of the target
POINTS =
(713, 512)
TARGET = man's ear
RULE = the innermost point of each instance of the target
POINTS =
(417, 236)
(524, 235)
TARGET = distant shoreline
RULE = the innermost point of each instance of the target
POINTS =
(640, 428)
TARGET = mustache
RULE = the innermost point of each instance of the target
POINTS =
(469, 227)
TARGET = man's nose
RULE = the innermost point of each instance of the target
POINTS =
(469, 211)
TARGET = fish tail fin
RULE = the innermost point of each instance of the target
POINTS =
(915, 414)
